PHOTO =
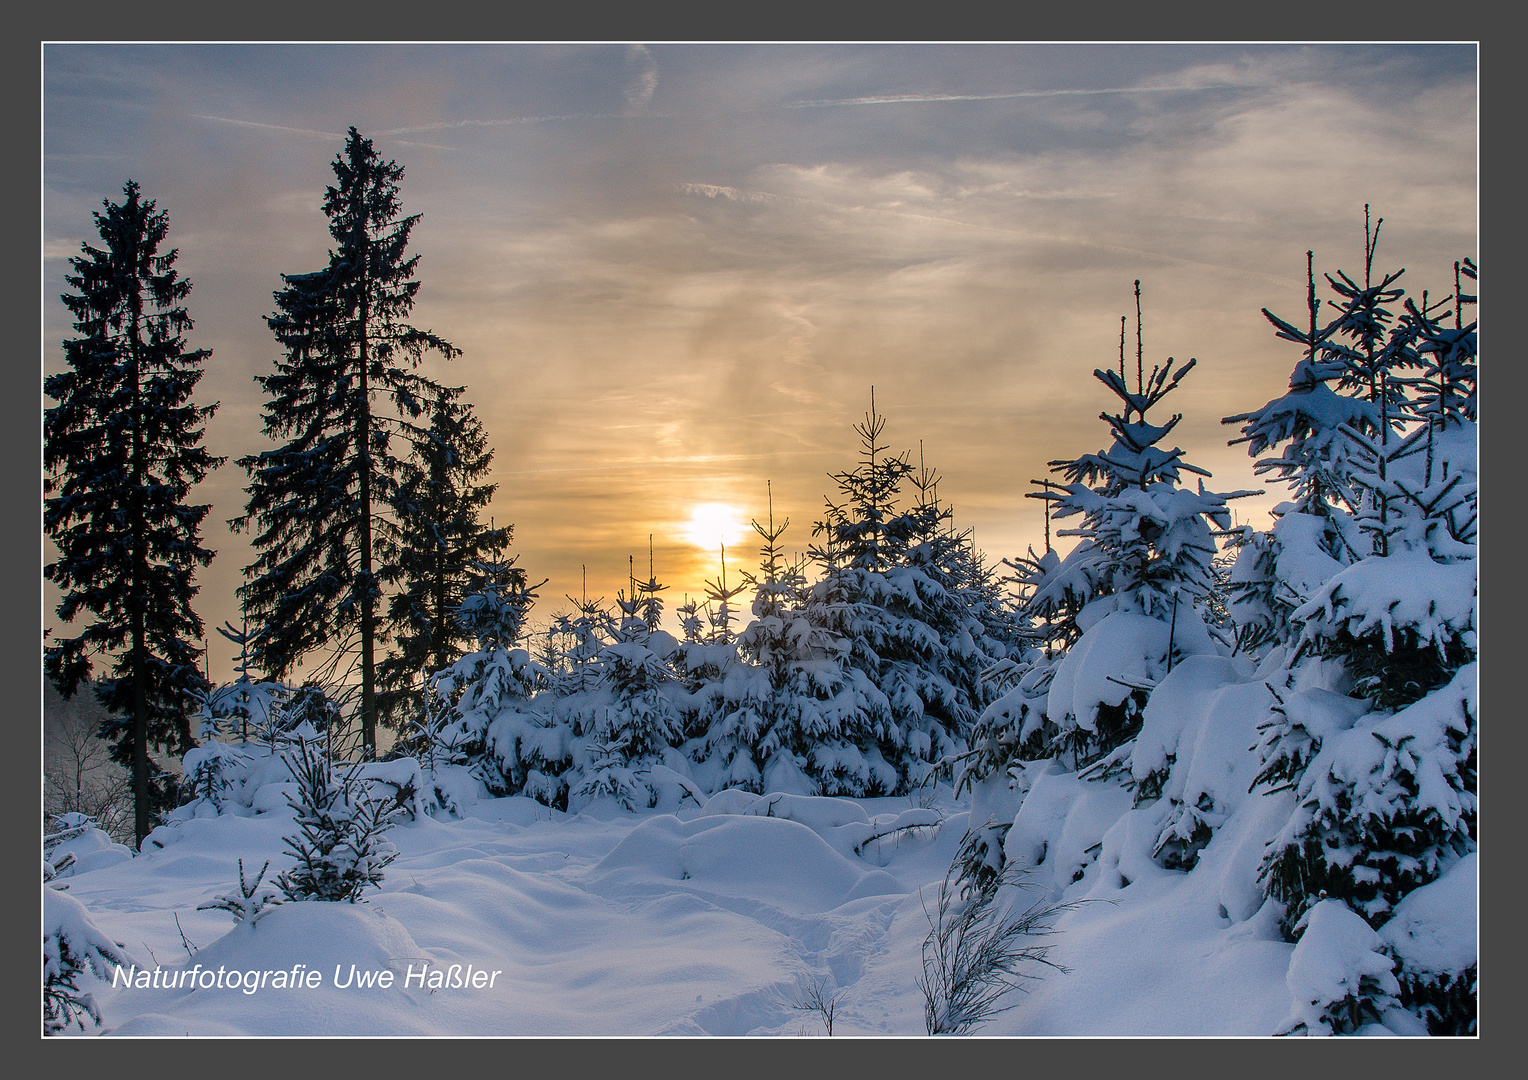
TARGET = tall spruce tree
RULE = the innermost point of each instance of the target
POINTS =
(122, 450)
(439, 508)
(322, 502)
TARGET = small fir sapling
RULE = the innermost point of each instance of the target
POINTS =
(787, 670)
(245, 704)
(210, 770)
(955, 593)
(482, 713)
(721, 618)
(707, 658)
(1015, 726)
(636, 718)
(251, 900)
(340, 849)
(588, 629)
(894, 591)
(709, 649)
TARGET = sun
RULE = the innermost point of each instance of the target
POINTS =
(713, 524)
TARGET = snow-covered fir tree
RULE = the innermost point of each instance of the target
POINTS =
(75, 953)
(1142, 569)
(707, 655)
(775, 720)
(339, 848)
(1386, 800)
(1315, 533)
(480, 704)
(122, 450)
(245, 706)
(870, 599)
(632, 718)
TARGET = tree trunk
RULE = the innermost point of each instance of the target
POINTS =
(368, 600)
(139, 601)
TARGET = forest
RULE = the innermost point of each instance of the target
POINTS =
(1146, 688)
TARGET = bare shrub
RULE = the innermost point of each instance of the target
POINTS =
(977, 952)
(816, 998)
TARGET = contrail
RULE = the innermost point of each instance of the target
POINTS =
(917, 98)
(271, 127)
(510, 121)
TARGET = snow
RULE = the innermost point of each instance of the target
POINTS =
(81, 845)
(1120, 651)
(1406, 590)
(708, 921)
(1302, 562)
(1434, 929)
(1335, 956)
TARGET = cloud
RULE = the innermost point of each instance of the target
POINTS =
(642, 83)
(61, 249)
(269, 127)
(634, 342)
(506, 121)
(937, 98)
(732, 194)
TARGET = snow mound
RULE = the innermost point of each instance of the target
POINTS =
(776, 860)
(1338, 957)
(1434, 928)
(327, 938)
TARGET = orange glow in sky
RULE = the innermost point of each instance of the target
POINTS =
(674, 272)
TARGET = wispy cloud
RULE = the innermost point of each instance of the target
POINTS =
(733, 194)
(634, 343)
(60, 249)
(643, 81)
(934, 98)
(269, 127)
(505, 121)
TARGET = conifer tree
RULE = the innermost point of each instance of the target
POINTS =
(1146, 556)
(442, 535)
(634, 719)
(1315, 533)
(339, 849)
(1385, 799)
(481, 699)
(789, 712)
(889, 592)
(123, 449)
(348, 386)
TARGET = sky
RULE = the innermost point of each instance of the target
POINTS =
(675, 272)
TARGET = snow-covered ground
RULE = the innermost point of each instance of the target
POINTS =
(714, 920)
